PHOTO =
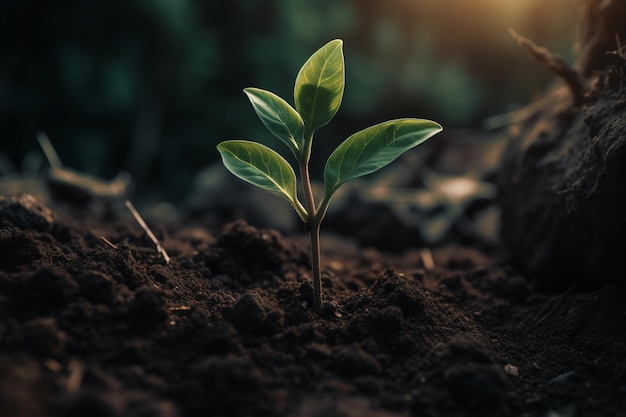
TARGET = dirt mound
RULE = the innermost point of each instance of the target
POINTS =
(227, 328)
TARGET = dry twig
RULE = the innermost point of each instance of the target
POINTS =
(427, 259)
(80, 183)
(180, 308)
(145, 227)
(49, 151)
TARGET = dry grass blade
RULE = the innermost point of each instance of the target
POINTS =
(427, 259)
(75, 378)
(49, 151)
(108, 242)
(145, 227)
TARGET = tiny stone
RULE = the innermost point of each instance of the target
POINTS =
(511, 370)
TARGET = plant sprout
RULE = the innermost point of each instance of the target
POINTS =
(318, 93)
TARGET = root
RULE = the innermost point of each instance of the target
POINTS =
(556, 64)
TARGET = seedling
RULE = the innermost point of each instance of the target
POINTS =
(318, 93)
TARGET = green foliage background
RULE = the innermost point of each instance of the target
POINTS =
(151, 86)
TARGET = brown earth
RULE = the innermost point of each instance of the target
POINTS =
(226, 328)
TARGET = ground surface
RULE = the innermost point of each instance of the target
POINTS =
(226, 328)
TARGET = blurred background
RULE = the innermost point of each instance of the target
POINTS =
(151, 86)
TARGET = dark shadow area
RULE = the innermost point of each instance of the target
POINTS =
(152, 87)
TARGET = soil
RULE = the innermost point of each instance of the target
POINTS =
(226, 328)
(561, 186)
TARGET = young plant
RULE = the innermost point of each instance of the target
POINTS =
(318, 93)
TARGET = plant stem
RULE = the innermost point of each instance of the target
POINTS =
(316, 264)
(314, 225)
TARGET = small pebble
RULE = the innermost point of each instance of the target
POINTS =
(511, 370)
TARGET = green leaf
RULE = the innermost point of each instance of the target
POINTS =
(319, 86)
(279, 117)
(371, 149)
(261, 166)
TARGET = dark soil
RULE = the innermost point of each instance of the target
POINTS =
(561, 186)
(226, 329)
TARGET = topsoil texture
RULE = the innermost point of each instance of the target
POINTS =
(227, 329)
